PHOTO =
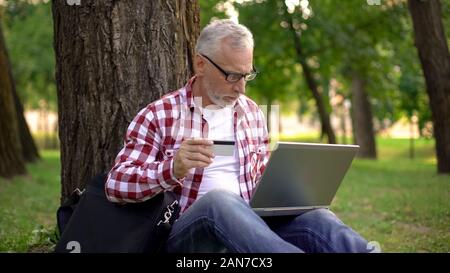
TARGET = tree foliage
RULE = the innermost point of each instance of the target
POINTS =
(29, 38)
(338, 37)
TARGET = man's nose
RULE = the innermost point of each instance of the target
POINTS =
(239, 86)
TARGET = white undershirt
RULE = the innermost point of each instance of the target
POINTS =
(223, 173)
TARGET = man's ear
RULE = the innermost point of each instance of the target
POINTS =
(199, 65)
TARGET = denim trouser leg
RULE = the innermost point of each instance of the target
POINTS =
(318, 230)
(223, 221)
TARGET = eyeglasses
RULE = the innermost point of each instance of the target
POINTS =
(234, 77)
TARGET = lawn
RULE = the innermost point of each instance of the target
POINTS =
(28, 206)
(399, 202)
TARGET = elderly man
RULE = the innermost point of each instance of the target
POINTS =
(169, 148)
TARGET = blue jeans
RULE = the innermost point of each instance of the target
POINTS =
(222, 221)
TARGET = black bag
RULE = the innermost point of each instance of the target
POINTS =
(89, 223)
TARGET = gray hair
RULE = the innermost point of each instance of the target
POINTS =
(210, 38)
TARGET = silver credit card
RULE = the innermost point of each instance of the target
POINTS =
(223, 147)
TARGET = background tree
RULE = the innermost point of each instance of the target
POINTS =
(310, 80)
(8, 12)
(356, 44)
(29, 36)
(11, 159)
(280, 57)
(364, 48)
(29, 149)
(112, 59)
(433, 52)
(411, 97)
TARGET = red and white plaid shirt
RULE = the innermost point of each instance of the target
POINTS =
(144, 166)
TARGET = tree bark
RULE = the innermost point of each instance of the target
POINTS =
(309, 78)
(432, 47)
(364, 134)
(112, 59)
(11, 159)
(29, 150)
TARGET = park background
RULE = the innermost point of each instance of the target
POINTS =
(74, 73)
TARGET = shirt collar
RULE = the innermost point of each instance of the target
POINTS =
(189, 93)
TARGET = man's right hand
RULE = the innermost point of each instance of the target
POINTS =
(193, 153)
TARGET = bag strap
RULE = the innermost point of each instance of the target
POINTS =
(67, 208)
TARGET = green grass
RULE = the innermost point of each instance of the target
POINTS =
(28, 206)
(399, 202)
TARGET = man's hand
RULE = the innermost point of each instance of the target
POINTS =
(193, 153)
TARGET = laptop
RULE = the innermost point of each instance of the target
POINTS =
(301, 177)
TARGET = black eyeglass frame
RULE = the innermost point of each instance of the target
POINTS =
(229, 75)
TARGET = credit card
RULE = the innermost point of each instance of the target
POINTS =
(223, 147)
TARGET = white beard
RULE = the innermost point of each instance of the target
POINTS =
(215, 98)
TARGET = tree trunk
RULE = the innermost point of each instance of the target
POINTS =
(309, 78)
(362, 119)
(29, 149)
(112, 59)
(11, 159)
(433, 51)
